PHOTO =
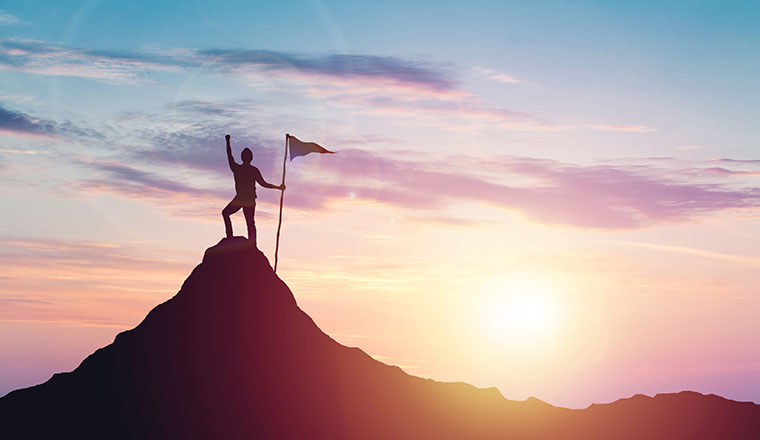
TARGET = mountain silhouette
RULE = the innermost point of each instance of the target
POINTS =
(232, 356)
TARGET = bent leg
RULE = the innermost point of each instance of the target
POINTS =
(228, 210)
(248, 212)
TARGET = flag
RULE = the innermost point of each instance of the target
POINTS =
(298, 148)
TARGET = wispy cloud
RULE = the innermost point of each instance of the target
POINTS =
(383, 86)
(725, 172)
(20, 124)
(731, 258)
(20, 251)
(129, 66)
(17, 151)
(463, 113)
(737, 161)
(136, 183)
(621, 127)
(423, 92)
(591, 196)
(7, 19)
(109, 66)
(496, 76)
(633, 194)
(81, 282)
(345, 66)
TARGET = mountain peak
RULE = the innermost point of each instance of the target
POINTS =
(231, 355)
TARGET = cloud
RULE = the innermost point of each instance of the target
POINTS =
(591, 196)
(464, 113)
(344, 66)
(720, 171)
(625, 128)
(108, 66)
(209, 108)
(7, 19)
(17, 151)
(731, 258)
(156, 162)
(442, 220)
(631, 194)
(136, 183)
(417, 91)
(15, 123)
(129, 67)
(155, 156)
(44, 253)
(496, 76)
(202, 147)
(738, 161)
(688, 147)
(82, 282)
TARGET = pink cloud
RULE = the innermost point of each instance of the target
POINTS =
(137, 183)
(630, 194)
(62, 61)
(720, 171)
(449, 112)
(605, 196)
(737, 161)
(112, 280)
(496, 76)
(25, 134)
(620, 127)
(592, 196)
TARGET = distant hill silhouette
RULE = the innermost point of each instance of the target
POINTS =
(232, 356)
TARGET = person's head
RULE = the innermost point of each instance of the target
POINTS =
(246, 155)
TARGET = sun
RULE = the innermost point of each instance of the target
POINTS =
(520, 309)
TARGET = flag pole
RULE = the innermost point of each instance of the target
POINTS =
(282, 196)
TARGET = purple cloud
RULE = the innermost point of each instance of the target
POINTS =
(334, 65)
(720, 171)
(630, 128)
(604, 196)
(204, 149)
(135, 183)
(125, 66)
(738, 161)
(20, 124)
(593, 196)
(15, 123)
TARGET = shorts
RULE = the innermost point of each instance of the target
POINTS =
(243, 201)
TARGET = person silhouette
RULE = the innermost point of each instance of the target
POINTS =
(246, 176)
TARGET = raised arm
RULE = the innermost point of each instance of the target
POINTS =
(260, 180)
(230, 160)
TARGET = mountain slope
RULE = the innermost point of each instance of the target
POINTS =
(232, 356)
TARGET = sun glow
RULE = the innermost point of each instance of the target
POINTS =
(526, 309)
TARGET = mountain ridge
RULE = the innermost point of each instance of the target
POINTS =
(232, 355)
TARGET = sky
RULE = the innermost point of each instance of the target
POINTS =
(558, 199)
